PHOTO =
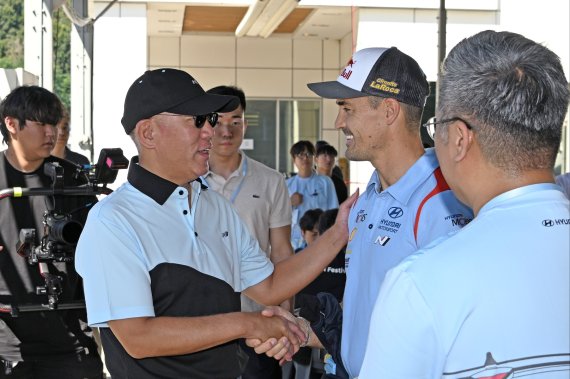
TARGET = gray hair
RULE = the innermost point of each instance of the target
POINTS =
(513, 91)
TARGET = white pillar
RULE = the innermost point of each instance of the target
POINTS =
(120, 56)
(38, 31)
(81, 73)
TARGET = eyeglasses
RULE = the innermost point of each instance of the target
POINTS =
(430, 126)
(304, 155)
(199, 120)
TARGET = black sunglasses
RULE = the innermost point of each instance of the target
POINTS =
(200, 120)
(430, 126)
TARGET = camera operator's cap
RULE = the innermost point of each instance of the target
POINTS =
(378, 72)
(170, 90)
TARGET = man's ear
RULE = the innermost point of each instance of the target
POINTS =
(461, 137)
(391, 110)
(144, 131)
(244, 125)
(12, 124)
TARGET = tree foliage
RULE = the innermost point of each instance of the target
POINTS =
(61, 56)
(12, 33)
(12, 44)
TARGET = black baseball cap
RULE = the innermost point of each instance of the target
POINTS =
(383, 72)
(170, 90)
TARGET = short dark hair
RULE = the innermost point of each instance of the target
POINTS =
(327, 219)
(299, 147)
(320, 143)
(514, 93)
(30, 103)
(310, 219)
(327, 149)
(230, 90)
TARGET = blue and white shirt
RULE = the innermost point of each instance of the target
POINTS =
(385, 227)
(146, 252)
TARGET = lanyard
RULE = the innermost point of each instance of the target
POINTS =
(238, 188)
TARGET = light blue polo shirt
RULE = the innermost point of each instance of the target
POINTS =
(385, 227)
(318, 192)
(492, 301)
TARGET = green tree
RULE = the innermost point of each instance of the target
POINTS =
(61, 56)
(12, 33)
(12, 44)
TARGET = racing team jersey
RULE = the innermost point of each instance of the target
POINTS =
(386, 226)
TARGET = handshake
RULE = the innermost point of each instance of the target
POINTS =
(295, 333)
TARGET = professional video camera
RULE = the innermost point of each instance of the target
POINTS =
(61, 232)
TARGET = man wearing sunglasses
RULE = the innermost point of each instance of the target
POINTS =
(164, 259)
(493, 300)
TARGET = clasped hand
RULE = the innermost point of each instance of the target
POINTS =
(284, 348)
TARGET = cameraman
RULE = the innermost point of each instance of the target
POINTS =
(51, 343)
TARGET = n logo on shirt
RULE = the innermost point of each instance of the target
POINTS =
(382, 240)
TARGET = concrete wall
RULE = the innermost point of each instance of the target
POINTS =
(264, 68)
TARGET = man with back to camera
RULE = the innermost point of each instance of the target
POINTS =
(493, 300)
(407, 204)
(164, 259)
(260, 197)
(49, 343)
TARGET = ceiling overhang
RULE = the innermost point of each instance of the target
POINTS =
(262, 19)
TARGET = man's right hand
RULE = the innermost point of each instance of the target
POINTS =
(268, 329)
(281, 349)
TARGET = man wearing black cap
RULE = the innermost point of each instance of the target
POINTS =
(164, 259)
(407, 204)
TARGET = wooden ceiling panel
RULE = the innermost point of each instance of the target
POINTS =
(291, 22)
(227, 19)
(212, 19)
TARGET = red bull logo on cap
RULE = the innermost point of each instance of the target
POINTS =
(348, 71)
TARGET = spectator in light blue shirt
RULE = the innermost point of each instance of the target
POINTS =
(307, 189)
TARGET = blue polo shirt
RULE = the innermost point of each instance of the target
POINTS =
(386, 226)
(146, 252)
(492, 301)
